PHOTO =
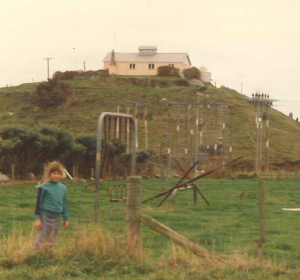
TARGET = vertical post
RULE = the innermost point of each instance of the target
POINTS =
(133, 207)
(118, 123)
(262, 211)
(110, 172)
(185, 132)
(92, 173)
(136, 122)
(115, 128)
(109, 127)
(162, 172)
(169, 139)
(262, 218)
(195, 196)
(173, 199)
(74, 171)
(13, 172)
(260, 145)
(223, 140)
(192, 132)
(196, 133)
(216, 131)
(177, 139)
(146, 128)
(230, 137)
(267, 141)
(257, 139)
(127, 131)
(48, 67)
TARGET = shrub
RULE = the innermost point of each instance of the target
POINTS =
(191, 73)
(52, 94)
(167, 71)
(69, 75)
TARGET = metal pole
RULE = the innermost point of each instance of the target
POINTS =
(98, 154)
(136, 123)
(169, 139)
(230, 136)
(216, 131)
(267, 141)
(177, 140)
(196, 133)
(192, 132)
(48, 67)
(257, 139)
(162, 173)
(223, 140)
(127, 131)
(185, 132)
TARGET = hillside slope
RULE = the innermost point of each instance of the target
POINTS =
(96, 96)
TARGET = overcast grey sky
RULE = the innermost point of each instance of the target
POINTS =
(251, 42)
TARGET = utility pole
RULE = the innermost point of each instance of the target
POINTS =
(261, 100)
(216, 131)
(267, 140)
(84, 66)
(48, 67)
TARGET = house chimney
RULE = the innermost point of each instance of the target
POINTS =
(112, 60)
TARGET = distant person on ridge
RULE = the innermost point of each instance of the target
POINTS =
(51, 203)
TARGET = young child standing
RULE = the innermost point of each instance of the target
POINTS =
(51, 203)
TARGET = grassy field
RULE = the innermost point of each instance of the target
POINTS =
(229, 228)
(96, 96)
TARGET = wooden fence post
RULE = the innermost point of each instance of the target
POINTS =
(74, 171)
(262, 219)
(195, 196)
(133, 207)
(13, 172)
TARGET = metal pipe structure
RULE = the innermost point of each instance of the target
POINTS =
(98, 153)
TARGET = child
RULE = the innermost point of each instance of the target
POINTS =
(51, 203)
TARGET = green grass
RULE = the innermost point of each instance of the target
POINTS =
(230, 226)
(96, 96)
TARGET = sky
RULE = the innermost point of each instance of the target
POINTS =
(246, 45)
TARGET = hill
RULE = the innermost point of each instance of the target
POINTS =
(95, 96)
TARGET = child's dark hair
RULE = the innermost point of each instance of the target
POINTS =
(53, 166)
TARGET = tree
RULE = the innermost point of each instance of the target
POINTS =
(168, 71)
(52, 94)
(191, 73)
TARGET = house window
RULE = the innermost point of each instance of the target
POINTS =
(171, 65)
(132, 66)
(151, 66)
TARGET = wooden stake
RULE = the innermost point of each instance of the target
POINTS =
(133, 207)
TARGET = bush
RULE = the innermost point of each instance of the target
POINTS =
(191, 73)
(52, 94)
(167, 71)
(69, 75)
